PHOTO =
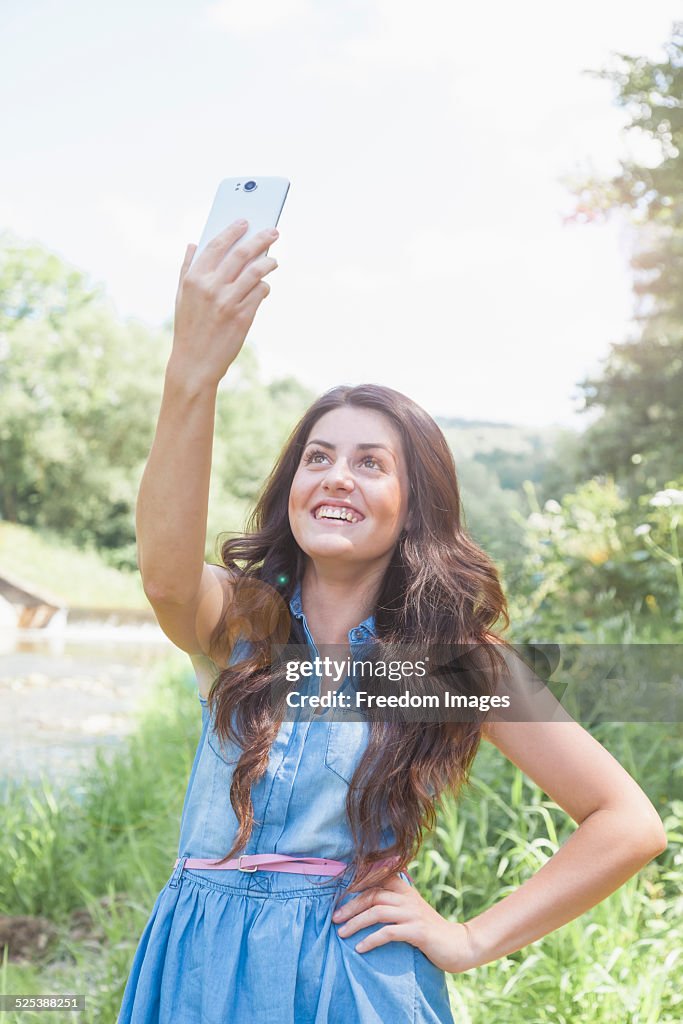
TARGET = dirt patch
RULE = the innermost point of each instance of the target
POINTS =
(32, 939)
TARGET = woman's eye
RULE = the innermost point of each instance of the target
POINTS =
(312, 456)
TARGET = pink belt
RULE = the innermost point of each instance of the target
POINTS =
(269, 862)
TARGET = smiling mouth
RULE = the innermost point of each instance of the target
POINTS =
(336, 515)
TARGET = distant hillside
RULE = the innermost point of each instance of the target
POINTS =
(514, 453)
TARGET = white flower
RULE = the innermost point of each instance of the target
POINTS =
(670, 496)
(536, 521)
(641, 530)
(552, 506)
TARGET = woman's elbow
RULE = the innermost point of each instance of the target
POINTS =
(637, 833)
(658, 841)
(650, 835)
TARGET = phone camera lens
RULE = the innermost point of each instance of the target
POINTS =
(249, 186)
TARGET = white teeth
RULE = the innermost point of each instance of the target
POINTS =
(334, 512)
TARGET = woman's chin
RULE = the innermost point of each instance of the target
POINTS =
(329, 546)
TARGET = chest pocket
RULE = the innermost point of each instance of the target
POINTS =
(346, 743)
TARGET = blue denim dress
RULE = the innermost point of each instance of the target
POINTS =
(232, 947)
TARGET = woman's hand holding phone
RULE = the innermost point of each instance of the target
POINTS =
(217, 301)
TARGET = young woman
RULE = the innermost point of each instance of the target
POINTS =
(289, 901)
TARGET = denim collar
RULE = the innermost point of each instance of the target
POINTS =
(361, 632)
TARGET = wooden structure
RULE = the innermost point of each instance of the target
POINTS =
(34, 606)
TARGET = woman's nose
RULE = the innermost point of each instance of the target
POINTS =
(339, 475)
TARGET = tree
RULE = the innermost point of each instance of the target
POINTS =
(76, 390)
(79, 399)
(637, 438)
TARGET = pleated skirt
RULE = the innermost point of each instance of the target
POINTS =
(262, 948)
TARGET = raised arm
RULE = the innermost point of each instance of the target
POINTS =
(216, 303)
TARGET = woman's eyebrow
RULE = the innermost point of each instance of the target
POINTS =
(363, 447)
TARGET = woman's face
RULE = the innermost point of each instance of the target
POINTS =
(349, 496)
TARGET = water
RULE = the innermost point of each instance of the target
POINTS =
(69, 689)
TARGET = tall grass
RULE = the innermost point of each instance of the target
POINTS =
(109, 847)
(614, 964)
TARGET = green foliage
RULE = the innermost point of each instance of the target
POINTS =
(79, 577)
(104, 848)
(79, 399)
(36, 285)
(510, 452)
(77, 394)
(489, 512)
(492, 461)
(637, 437)
(590, 550)
(500, 832)
(109, 847)
(588, 574)
(60, 844)
(253, 421)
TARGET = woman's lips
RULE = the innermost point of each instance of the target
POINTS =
(335, 522)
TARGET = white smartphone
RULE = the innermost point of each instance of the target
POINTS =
(257, 200)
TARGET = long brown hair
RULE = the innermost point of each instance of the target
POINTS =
(439, 588)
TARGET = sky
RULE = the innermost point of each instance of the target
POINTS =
(423, 244)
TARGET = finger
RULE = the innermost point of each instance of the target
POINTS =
(246, 310)
(214, 252)
(234, 261)
(390, 933)
(255, 297)
(251, 276)
(369, 898)
(189, 253)
(394, 884)
(355, 905)
(379, 914)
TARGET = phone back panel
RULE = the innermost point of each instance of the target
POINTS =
(261, 205)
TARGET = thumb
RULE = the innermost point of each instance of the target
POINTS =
(189, 253)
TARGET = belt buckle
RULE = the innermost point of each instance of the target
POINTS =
(248, 870)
